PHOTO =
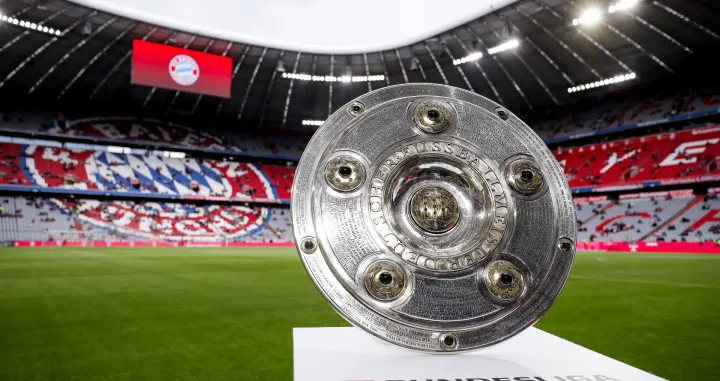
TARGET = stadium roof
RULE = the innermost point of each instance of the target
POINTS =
(316, 26)
(90, 60)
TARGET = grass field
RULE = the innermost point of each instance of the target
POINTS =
(227, 314)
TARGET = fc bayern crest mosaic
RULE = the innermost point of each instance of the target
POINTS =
(184, 70)
(433, 218)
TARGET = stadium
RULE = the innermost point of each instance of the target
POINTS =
(148, 159)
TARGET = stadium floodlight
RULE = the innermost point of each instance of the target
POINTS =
(366, 78)
(470, 57)
(330, 78)
(589, 17)
(512, 44)
(622, 5)
(603, 82)
(28, 25)
(313, 122)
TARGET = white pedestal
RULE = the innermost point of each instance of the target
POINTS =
(349, 354)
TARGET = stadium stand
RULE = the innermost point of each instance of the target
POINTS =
(700, 221)
(586, 208)
(628, 220)
(10, 171)
(281, 177)
(676, 216)
(53, 167)
(41, 219)
(614, 113)
(687, 156)
(122, 129)
(636, 109)
(631, 110)
(34, 219)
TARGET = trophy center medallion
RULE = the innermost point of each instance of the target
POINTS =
(434, 210)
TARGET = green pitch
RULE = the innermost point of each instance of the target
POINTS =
(227, 314)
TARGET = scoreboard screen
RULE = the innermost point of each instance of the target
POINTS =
(180, 69)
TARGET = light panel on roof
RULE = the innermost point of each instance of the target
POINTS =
(470, 57)
(331, 78)
(621, 5)
(593, 15)
(29, 25)
(512, 44)
(589, 17)
(602, 82)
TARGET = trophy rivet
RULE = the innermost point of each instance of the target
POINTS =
(448, 341)
(308, 245)
(385, 280)
(502, 113)
(432, 117)
(524, 177)
(565, 245)
(344, 173)
(356, 109)
(504, 280)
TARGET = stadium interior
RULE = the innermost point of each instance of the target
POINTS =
(627, 101)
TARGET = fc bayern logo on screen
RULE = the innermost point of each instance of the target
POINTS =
(184, 70)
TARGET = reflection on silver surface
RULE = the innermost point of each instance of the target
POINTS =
(433, 218)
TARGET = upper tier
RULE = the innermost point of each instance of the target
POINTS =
(116, 130)
(630, 111)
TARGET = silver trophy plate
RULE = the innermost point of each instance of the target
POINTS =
(433, 218)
